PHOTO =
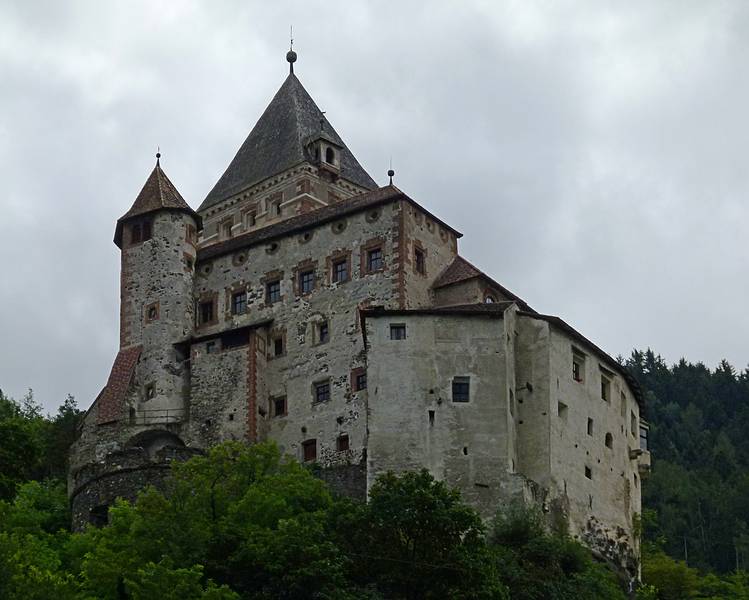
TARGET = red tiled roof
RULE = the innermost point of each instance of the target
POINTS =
(158, 193)
(461, 270)
(109, 403)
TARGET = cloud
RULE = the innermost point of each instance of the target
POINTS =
(592, 153)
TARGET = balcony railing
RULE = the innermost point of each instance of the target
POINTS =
(156, 416)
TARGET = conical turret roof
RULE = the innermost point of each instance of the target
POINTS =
(279, 141)
(158, 193)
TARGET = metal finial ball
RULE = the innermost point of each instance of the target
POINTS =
(158, 155)
(391, 173)
(291, 56)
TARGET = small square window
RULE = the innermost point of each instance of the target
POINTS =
(210, 347)
(420, 261)
(461, 389)
(341, 443)
(273, 291)
(374, 259)
(238, 302)
(322, 391)
(278, 406)
(278, 346)
(340, 270)
(361, 381)
(309, 450)
(205, 312)
(306, 282)
(398, 332)
(323, 332)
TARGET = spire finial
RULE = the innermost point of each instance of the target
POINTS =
(158, 155)
(390, 171)
(291, 55)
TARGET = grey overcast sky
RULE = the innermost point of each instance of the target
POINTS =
(594, 154)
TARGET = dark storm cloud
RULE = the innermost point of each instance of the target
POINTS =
(593, 153)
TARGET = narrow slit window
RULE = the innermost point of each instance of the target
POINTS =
(420, 261)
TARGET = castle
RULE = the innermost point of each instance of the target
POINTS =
(302, 303)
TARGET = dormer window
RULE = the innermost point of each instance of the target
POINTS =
(330, 156)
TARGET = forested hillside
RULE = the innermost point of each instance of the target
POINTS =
(698, 491)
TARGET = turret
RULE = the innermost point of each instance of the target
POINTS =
(157, 238)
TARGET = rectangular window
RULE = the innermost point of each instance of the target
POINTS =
(205, 312)
(632, 424)
(578, 365)
(398, 332)
(461, 389)
(273, 291)
(226, 229)
(278, 406)
(588, 472)
(146, 230)
(562, 410)
(278, 346)
(643, 437)
(250, 219)
(374, 260)
(322, 391)
(623, 406)
(309, 450)
(306, 282)
(341, 443)
(323, 332)
(238, 303)
(361, 381)
(135, 233)
(590, 426)
(340, 270)
(420, 261)
(210, 347)
(606, 377)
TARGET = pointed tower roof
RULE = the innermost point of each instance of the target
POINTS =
(158, 193)
(279, 141)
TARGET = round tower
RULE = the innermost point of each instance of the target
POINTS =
(157, 238)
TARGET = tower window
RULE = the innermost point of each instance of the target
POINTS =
(606, 377)
(146, 230)
(398, 332)
(609, 440)
(374, 260)
(306, 282)
(330, 156)
(420, 261)
(342, 443)
(273, 291)
(309, 450)
(226, 228)
(238, 302)
(340, 271)
(461, 389)
(322, 391)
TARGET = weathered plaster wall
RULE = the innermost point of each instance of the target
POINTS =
(413, 421)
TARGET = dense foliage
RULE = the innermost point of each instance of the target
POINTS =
(246, 523)
(699, 438)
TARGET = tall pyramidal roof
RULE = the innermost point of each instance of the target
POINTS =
(279, 141)
(158, 193)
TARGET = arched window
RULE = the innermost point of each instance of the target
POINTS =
(329, 156)
(489, 299)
